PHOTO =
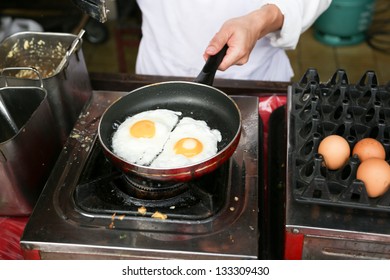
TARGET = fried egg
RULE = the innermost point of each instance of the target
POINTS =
(190, 142)
(140, 138)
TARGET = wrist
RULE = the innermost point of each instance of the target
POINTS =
(267, 19)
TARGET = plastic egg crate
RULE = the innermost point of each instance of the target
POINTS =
(354, 111)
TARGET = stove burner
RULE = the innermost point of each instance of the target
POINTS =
(148, 189)
(147, 194)
(102, 189)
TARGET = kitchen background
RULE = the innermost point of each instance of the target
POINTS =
(112, 47)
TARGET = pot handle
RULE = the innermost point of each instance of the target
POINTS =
(76, 44)
(20, 68)
(206, 76)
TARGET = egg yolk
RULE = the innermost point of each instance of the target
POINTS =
(143, 129)
(188, 147)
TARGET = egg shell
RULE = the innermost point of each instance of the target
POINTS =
(335, 151)
(369, 148)
(375, 174)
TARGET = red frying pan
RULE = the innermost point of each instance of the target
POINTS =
(198, 100)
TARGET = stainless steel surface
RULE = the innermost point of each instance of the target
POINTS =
(57, 229)
(68, 87)
(343, 226)
(96, 9)
(7, 116)
(320, 247)
(27, 154)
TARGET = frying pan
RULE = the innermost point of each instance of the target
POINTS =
(198, 100)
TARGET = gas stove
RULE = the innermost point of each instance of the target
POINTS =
(90, 210)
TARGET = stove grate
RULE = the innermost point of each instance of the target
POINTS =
(103, 190)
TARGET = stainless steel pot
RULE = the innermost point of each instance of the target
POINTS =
(29, 146)
(59, 59)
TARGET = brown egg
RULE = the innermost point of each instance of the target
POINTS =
(375, 173)
(335, 150)
(369, 148)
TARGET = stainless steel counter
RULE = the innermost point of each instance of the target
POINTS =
(58, 230)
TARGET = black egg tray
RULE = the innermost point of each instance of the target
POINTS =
(354, 111)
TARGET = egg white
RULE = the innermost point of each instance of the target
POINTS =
(143, 150)
(188, 128)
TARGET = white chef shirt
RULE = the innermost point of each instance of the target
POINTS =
(177, 32)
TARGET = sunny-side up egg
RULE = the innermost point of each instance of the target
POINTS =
(192, 141)
(140, 138)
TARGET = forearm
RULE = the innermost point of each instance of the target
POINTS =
(267, 19)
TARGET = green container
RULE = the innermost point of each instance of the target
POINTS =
(345, 22)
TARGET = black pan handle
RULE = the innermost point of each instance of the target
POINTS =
(206, 76)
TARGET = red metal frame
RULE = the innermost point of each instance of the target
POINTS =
(31, 255)
(293, 246)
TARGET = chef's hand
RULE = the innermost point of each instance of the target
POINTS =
(242, 33)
